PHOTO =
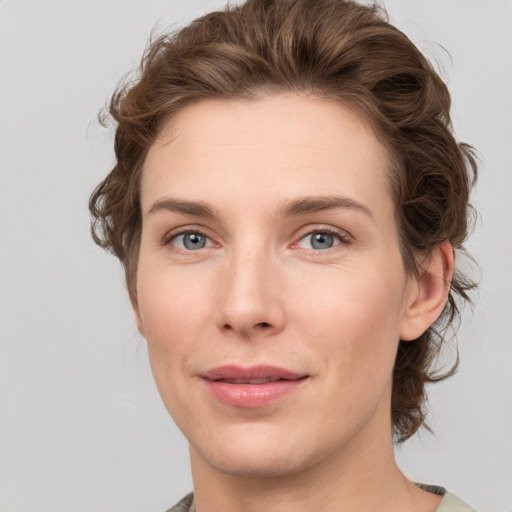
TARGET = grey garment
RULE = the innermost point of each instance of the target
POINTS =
(449, 503)
(184, 505)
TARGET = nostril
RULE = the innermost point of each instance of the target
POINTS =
(258, 326)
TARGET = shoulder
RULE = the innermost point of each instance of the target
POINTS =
(183, 505)
(450, 502)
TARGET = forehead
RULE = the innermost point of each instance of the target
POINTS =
(282, 145)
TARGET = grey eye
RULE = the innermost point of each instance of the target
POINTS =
(191, 241)
(321, 240)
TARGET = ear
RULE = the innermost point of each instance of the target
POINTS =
(428, 292)
(138, 319)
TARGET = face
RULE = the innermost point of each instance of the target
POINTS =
(270, 286)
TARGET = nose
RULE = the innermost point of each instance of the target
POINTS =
(250, 296)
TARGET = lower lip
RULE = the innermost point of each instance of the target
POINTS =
(252, 395)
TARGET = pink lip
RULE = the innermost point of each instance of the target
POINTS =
(245, 394)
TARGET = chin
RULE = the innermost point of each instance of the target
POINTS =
(257, 454)
(259, 465)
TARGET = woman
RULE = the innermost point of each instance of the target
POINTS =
(287, 203)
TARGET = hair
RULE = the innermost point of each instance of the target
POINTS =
(332, 49)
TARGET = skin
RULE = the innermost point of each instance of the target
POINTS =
(259, 292)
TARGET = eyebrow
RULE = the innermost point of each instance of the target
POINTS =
(195, 208)
(304, 205)
(295, 207)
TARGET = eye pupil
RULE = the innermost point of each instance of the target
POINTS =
(322, 240)
(194, 241)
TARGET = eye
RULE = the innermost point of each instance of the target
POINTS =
(320, 240)
(191, 241)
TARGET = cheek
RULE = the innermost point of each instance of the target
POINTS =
(173, 313)
(173, 310)
(355, 319)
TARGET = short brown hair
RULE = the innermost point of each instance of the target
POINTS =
(333, 49)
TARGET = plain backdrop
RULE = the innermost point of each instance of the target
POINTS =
(82, 426)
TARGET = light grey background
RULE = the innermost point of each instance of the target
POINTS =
(82, 427)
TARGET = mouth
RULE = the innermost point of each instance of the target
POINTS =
(251, 387)
(250, 381)
(260, 374)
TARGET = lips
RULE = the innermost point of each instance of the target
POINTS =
(250, 381)
(261, 372)
(256, 386)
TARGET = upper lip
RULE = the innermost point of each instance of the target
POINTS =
(239, 373)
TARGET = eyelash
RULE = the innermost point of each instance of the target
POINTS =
(343, 237)
(169, 237)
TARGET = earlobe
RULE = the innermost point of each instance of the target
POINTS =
(132, 291)
(428, 292)
(138, 319)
